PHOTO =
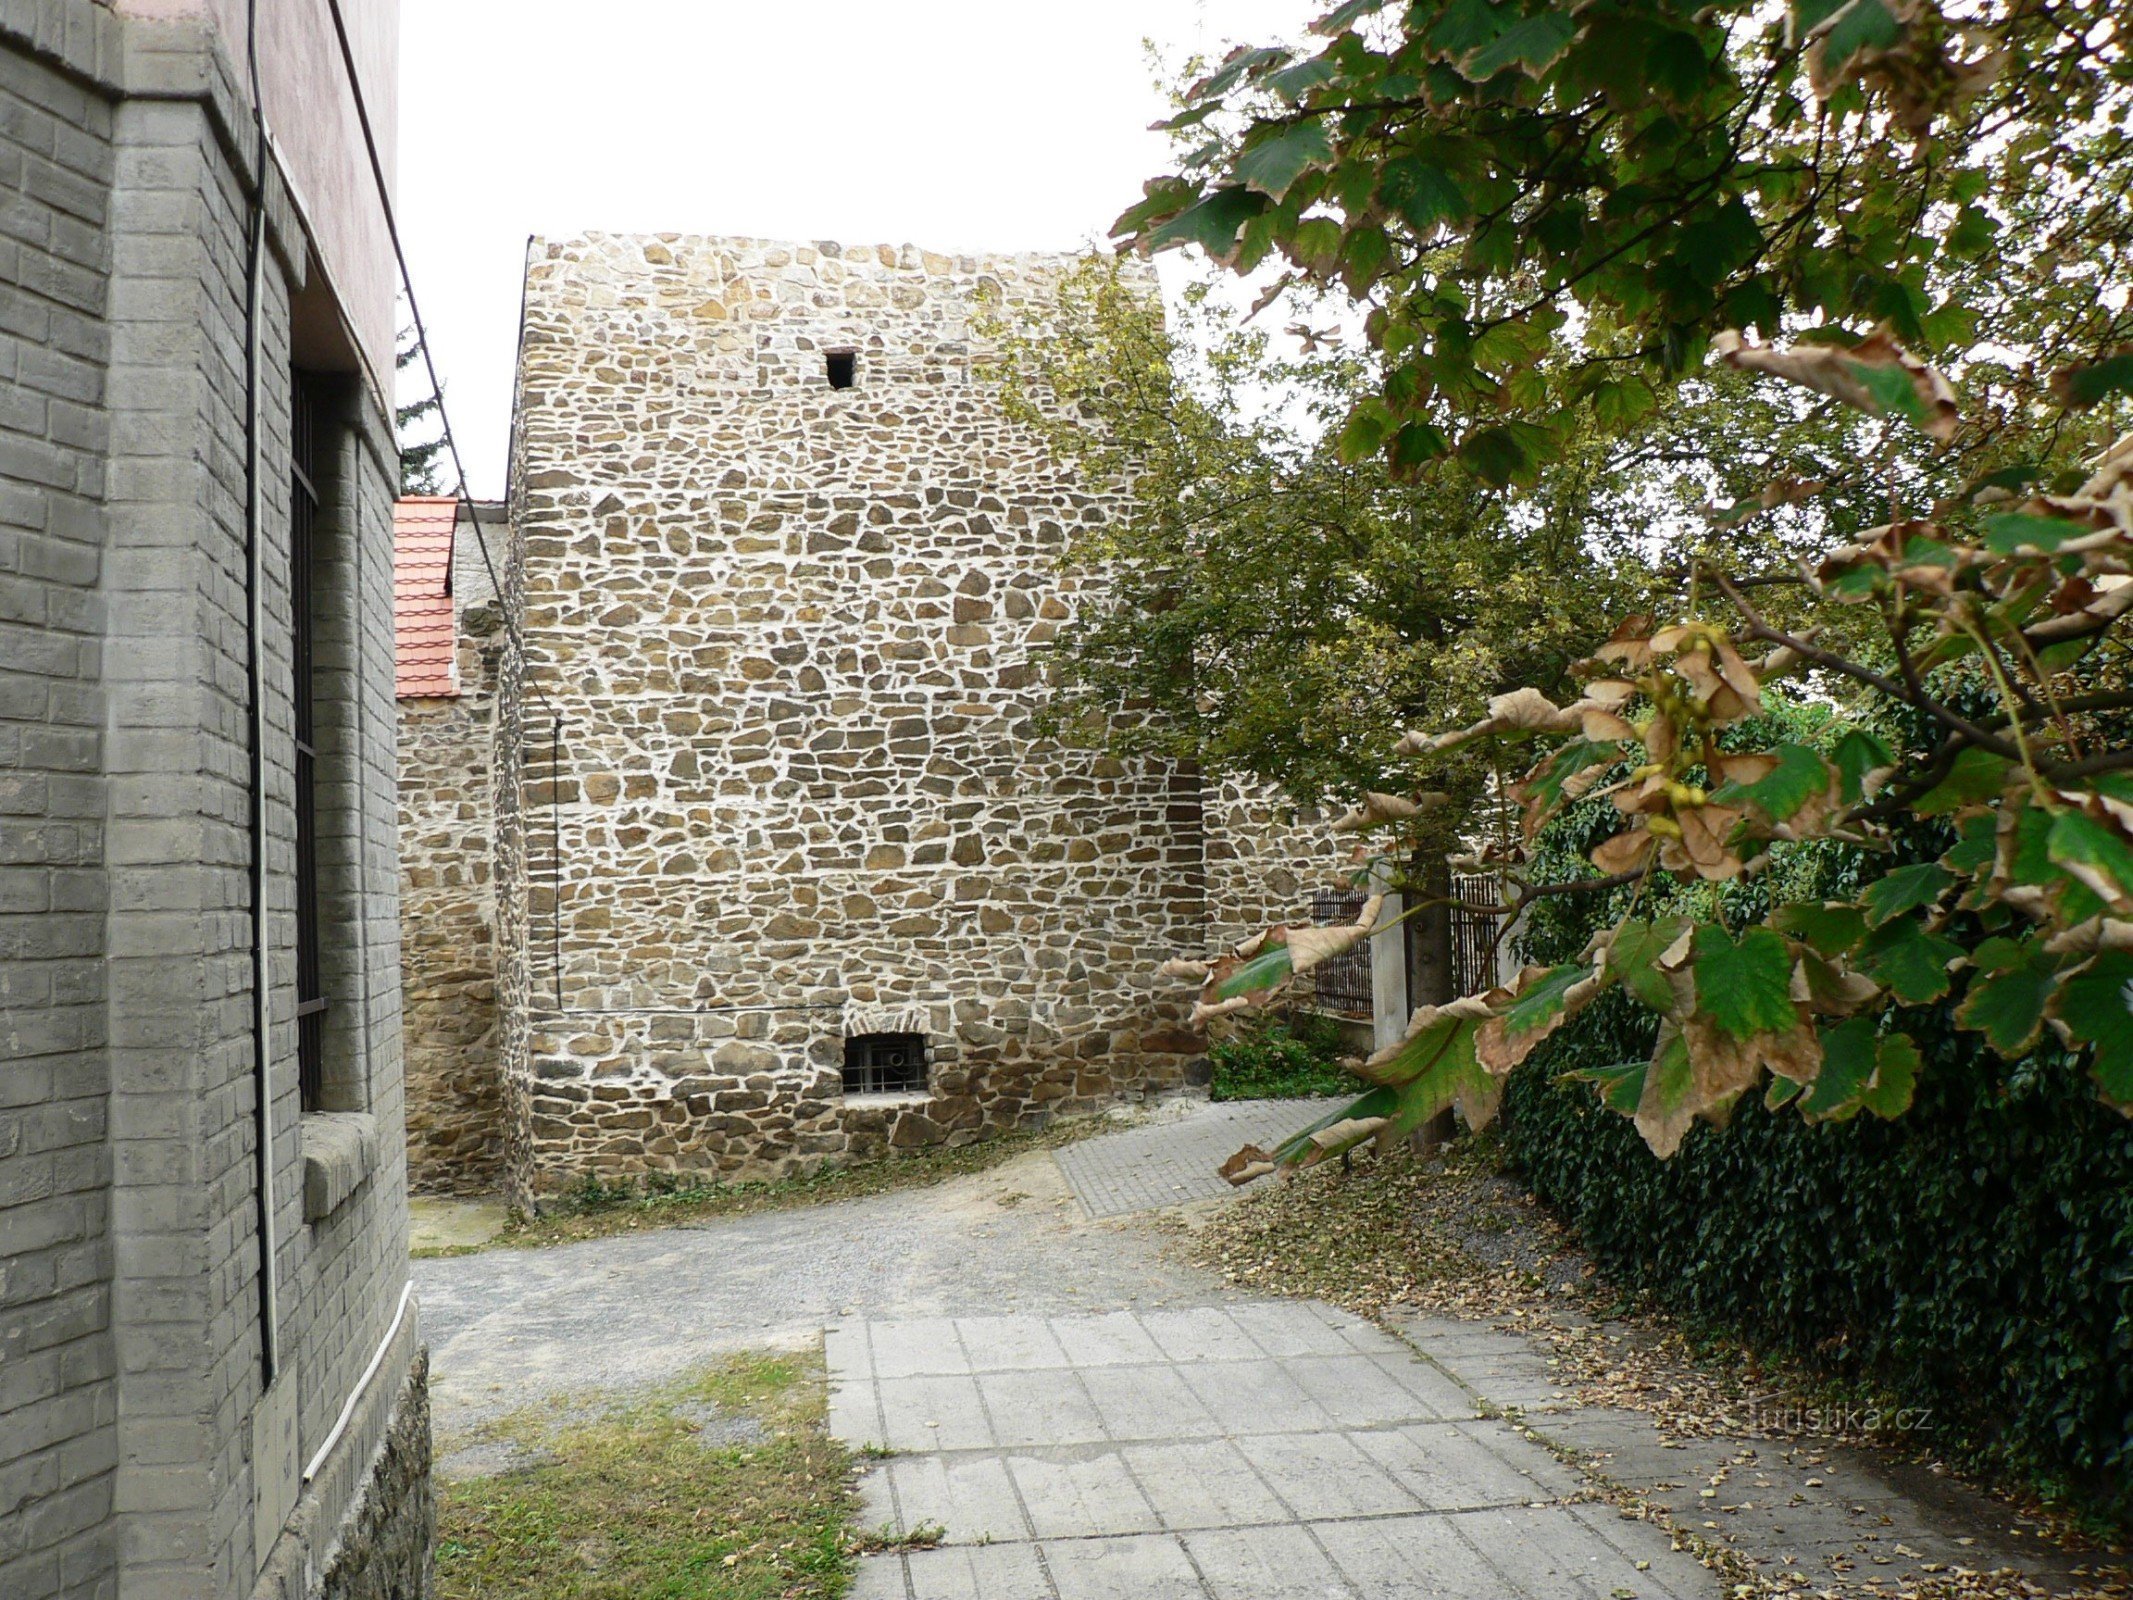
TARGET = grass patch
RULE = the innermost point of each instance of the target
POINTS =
(1295, 1057)
(632, 1503)
(595, 1210)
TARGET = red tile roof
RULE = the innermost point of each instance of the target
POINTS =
(427, 654)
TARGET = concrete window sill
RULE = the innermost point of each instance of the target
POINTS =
(340, 1153)
(876, 1101)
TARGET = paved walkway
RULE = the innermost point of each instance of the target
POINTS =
(1173, 1161)
(1259, 1450)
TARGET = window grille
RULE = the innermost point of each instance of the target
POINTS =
(1341, 985)
(303, 518)
(885, 1063)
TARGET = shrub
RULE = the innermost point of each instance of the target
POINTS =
(1294, 1057)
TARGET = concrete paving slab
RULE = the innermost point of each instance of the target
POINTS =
(1410, 1558)
(1151, 1567)
(1204, 1483)
(1266, 1564)
(1251, 1397)
(1009, 1344)
(1113, 1338)
(1147, 1403)
(1027, 1408)
(1326, 1475)
(965, 1572)
(1071, 1496)
(932, 1414)
(1168, 1453)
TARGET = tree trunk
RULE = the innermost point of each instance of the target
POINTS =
(1431, 978)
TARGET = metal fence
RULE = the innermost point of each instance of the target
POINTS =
(1474, 917)
(1341, 985)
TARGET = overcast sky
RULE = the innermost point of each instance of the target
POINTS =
(963, 124)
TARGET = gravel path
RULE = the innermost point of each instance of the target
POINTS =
(511, 1326)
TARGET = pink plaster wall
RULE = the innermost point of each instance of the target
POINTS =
(311, 116)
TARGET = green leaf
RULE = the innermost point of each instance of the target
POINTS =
(1376, 1103)
(1847, 1070)
(1454, 1075)
(1896, 1064)
(1506, 453)
(1421, 196)
(2028, 862)
(1539, 1005)
(1273, 164)
(1364, 431)
(1532, 44)
(1905, 889)
(1343, 16)
(1911, 962)
(1798, 777)
(1293, 83)
(1828, 929)
(1978, 844)
(1620, 1086)
(1781, 1093)
(2007, 532)
(1240, 64)
(2096, 1005)
(1541, 790)
(1894, 392)
(1975, 775)
(1861, 25)
(1858, 755)
(1212, 223)
(1416, 443)
(1633, 957)
(2007, 997)
(1744, 988)
(1268, 969)
(2096, 854)
(2092, 382)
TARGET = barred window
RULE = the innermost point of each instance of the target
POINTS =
(885, 1063)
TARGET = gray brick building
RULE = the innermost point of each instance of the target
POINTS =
(211, 1382)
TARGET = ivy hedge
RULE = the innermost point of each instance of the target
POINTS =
(1974, 1256)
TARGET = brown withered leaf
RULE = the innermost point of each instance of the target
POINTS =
(1662, 737)
(1344, 1134)
(1845, 374)
(1249, 1163)
(1378, 809)
(1829, 988)
(1494, 1045)
(1705, 830)
(1185, 970)
(1746, 767)
(1723, 1066)
(1625, 851)
(1630, 645)
(1702, 671)
(1308, 947)
(2110, 472)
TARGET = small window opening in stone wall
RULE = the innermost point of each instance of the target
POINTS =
(843, 367)
(885, 1063)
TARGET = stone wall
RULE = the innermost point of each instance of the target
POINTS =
(450, 1028)
(793, 633)
(1266, 858)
